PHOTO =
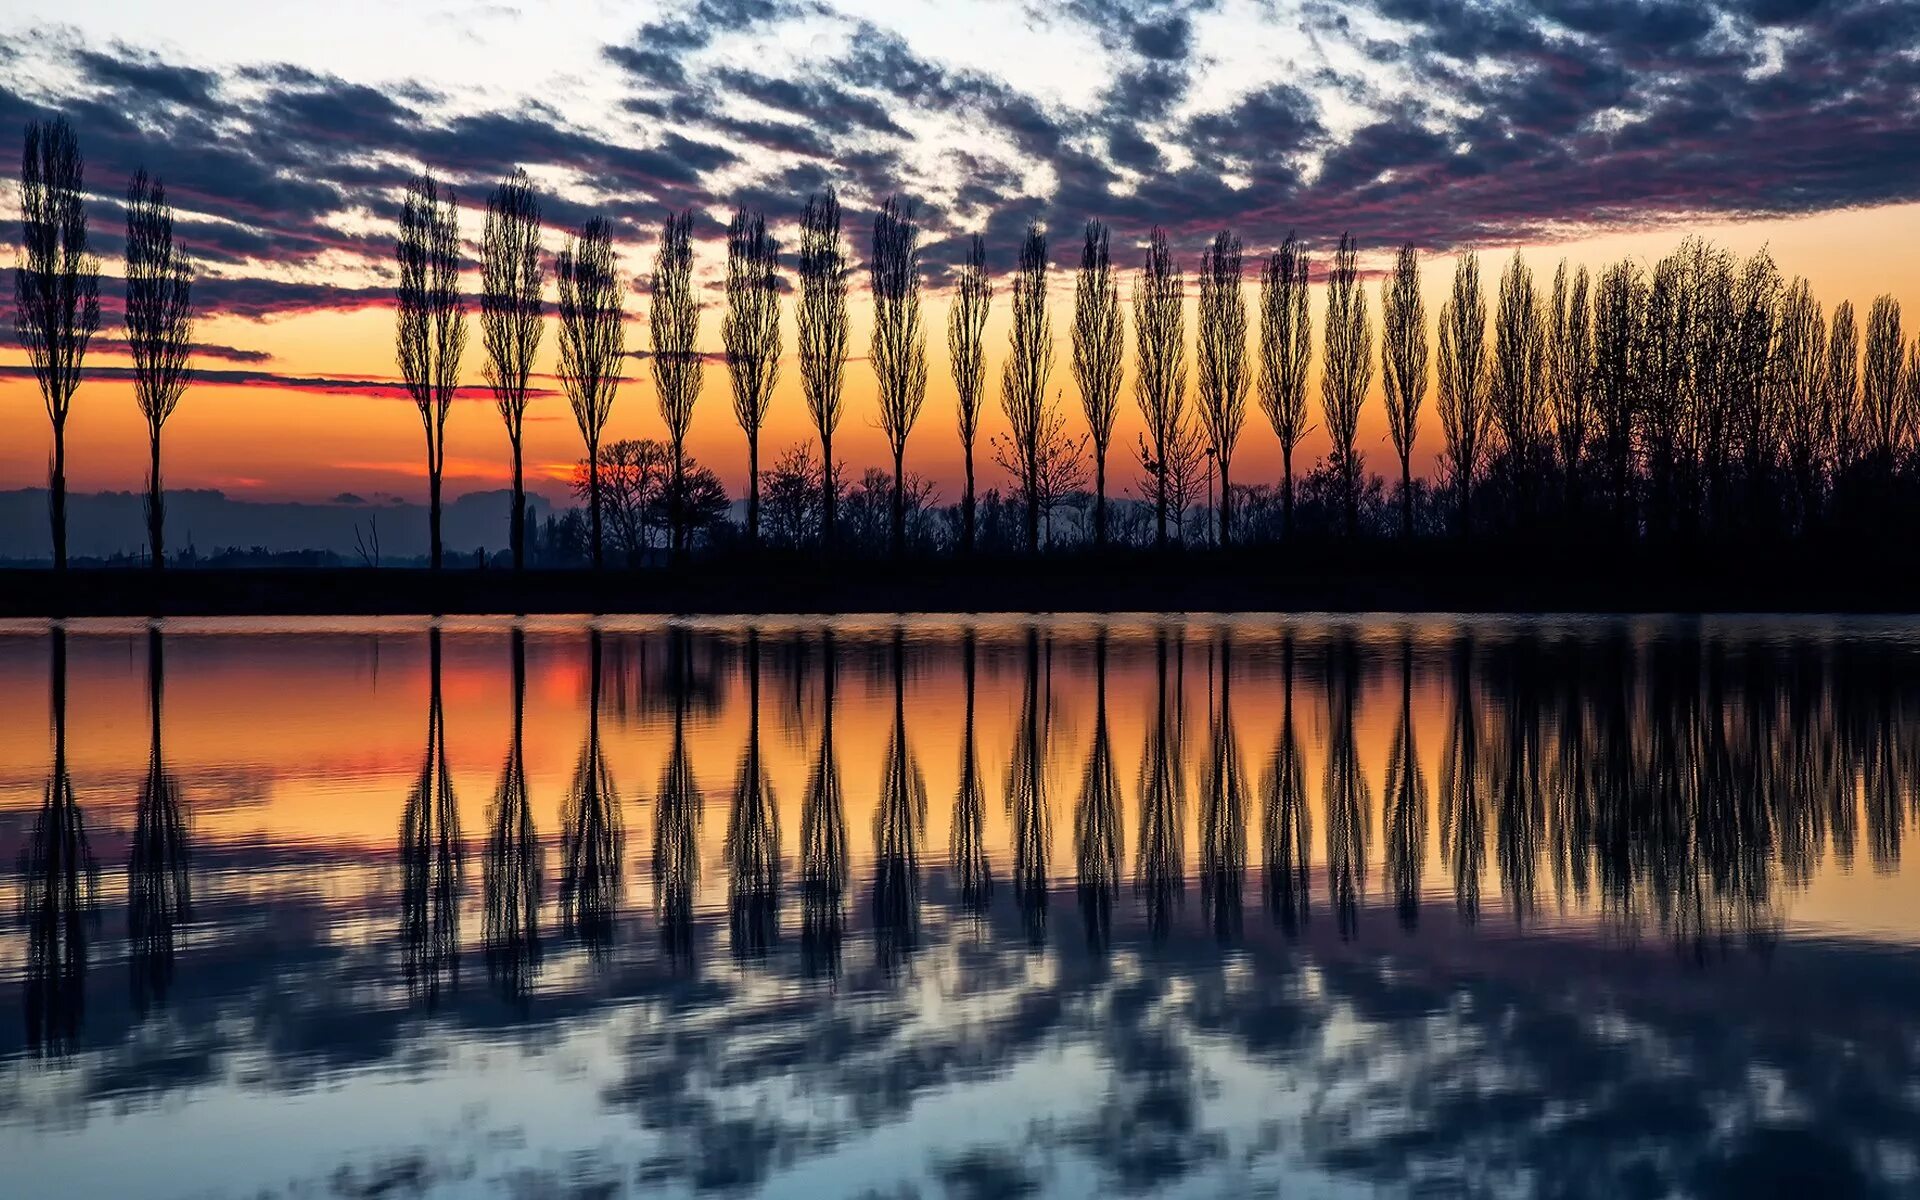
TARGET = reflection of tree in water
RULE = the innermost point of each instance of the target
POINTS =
(1463, 816)
(1223, 813)
(1027, 802)
(896, 836)
(1096, 817)
(753, 837)
(679, 809)
(432, 858)
(1513, 762)
(651, 676)
(1287, 822)
(593, 834)
(1160, 873)
(972, 868)
(512, 871)
(58, 892)
(1349, 805)
(159, 882)
(1570, 783)
(1406, 804)
(823, 841)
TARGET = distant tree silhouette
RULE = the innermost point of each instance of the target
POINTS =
(1800, 371)
(1619, 314)
(511, 323)
(751, 334)
(159, 323)
(1666, 379)
(1023, 377)
(1569, 374)
(56, 289)
(1753, 394)
(1099, 344)
(1518, 400)
(1883, 392)
(1160, 381)
(821, 321)
(1347, 371)
(1286, 347)
(966, 351)
(1222, 355)
(1403, 366)
(1464, 412)
(1840, 387)
(899, 343)
(674, 325)
(430, 323)
(593, 347)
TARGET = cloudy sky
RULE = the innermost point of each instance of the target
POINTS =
(1579, 128)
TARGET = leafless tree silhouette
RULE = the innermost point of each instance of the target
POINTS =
(1516, 394)
(430, 322)
(822, 326)
(1840, 389)
(1286, 348)
(1403, 366)
(56, 289)
(1160, 381)
(159, 323)
(1347, 371)
(511, 322)
(1882, 393)
(899, 343)
(751, 334)
(1618, 314)
(674, 325)
(1800, 371)
(966, 351)
(593, 348)
(1023, 377)
(1569, 373)
(1099, 344)
(1222, 354)
(1464, 411)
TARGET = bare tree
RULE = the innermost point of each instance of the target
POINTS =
(159, 322)
(1882, 394)
(1222, 352)
(1619, 312)
(1403, 366)
(1160, 381)
(822, 325)
(1518, 347)
(751, 333)
(899, 343)
(1099, 343)
(56, 290)
(1464, 411)
(1286, 347)
(1348, 370)
(674, 326)
(966, 350)
(1023, 378)
(593, 347)
(1799, 375)
(1840, 388)
(1569, 369)
(431, 323)
(511, 322)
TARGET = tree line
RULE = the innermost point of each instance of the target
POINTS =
(1702, 396)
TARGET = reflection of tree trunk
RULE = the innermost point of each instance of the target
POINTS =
(1096, 819)
(1027, 803)
(512, 872)
(678, 812)
(823, 842)
(753, 836)
(1463, 820)
(896, 835)
(592, 834)
(972, 869)
(1223, 815)
(1289, 825)
(1349, 807)
(159, 882)
(1518, 813)
(1406, 804)
(1160, 874)
(58, 893)
(433, 858)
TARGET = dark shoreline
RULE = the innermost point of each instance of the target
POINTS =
(1421, 578)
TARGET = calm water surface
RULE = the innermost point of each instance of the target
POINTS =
(1190, 907)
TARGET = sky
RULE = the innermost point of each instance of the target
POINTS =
(1577, 129)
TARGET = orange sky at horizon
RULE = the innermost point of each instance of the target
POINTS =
(275, 443)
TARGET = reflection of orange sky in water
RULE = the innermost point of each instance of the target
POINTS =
(314, 738)
(277, 444)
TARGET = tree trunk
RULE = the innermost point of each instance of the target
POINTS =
(1226, 503)
(1406, 499)
(433, 496)
(753, 490)
(517, 523)
(1160, 505)
(967, 506)
(593, 501)
(676, 505)
(156, 506)
(899, 501)
(1033, 511)
(1100, 497)
(827, 496)
(57, 500)
(1286, 492)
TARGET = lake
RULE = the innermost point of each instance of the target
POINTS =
(1186, 906)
